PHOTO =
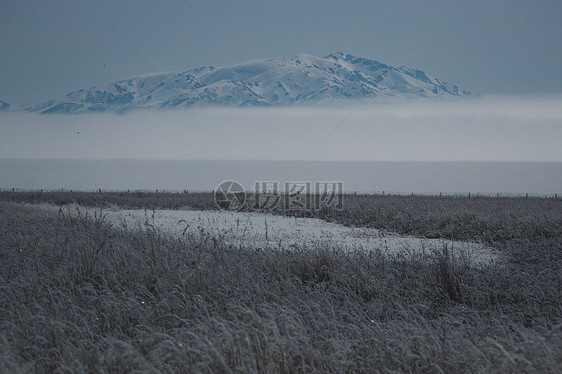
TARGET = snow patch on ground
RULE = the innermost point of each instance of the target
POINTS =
(267, 231)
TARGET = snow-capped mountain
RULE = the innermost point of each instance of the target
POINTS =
(302, 79)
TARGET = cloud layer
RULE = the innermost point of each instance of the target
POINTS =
(485, 129)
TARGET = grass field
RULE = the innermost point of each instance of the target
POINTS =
(79, 295)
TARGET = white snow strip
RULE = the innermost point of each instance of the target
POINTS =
(267, 231)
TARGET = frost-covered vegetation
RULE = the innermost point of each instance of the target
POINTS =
(79, 295)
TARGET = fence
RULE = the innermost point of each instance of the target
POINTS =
(382, 193)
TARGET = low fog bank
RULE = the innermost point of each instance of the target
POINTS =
(483, 129)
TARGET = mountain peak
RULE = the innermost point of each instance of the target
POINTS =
(298, 80)
(334, 55)
(337, 55)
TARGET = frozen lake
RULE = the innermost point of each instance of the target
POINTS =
(400, 177)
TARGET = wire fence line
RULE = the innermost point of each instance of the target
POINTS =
(347, 193)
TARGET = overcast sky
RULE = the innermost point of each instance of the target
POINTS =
(49, 48)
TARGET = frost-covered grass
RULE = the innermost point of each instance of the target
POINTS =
(79, 294)
(482, 219)
(128, 200)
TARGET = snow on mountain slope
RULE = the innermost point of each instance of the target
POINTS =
(302, 79)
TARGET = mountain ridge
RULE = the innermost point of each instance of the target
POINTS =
(297, 80)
